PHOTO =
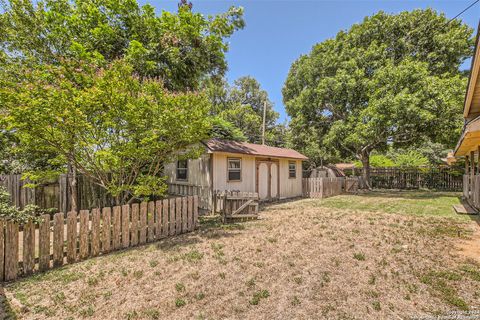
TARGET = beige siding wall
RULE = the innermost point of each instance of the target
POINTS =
(198, 172)
(290, 187)
(247, 184)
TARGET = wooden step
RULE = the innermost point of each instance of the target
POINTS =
(464, 208)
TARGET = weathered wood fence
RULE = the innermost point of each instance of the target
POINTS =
(447, 179)
(57, 193)
(234, 205)
(30, 247)
(322, 187)
(204, 193)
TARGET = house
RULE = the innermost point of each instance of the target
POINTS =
(468, 145)
(274, 173)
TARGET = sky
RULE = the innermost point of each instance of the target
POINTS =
(277, 32)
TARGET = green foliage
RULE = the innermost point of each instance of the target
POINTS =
(378, 161)
(117, 129)
(91, 84)
(224, 129)
(433, 152)
(391, 80)
(9, 212)
(259, 295)
(410, 158)
(242, 105)
(180, 48)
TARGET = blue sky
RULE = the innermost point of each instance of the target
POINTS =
(278, 32)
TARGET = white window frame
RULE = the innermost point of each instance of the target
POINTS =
(234, 169)
(294, 170)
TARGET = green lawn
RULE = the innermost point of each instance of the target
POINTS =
(419, 203)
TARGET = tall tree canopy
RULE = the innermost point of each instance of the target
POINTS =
(242, 105)
(108, 87)
(179, 48)
(393, 79)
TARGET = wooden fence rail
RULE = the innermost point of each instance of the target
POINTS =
(31, 247)
(57, 193)
(204, 193)
(447, 179)
(322, 187)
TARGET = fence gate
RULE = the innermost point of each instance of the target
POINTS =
(235, 205)
(351, 185)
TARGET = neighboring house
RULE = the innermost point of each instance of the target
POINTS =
(468, 145)
(274, 173)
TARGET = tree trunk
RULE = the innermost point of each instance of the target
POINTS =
(365, 159)
(72, 175)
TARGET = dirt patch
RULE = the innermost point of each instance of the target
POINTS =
(302, 261)
(470, 248)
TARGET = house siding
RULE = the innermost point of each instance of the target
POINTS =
(247, 183)
(290, 187)
(198, 172)
(199, 175)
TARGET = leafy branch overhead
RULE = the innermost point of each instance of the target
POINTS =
(109, 88)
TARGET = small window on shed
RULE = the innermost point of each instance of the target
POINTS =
(182, 169)
(292, 169)
(234, 169)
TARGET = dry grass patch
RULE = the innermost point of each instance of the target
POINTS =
(304, 259)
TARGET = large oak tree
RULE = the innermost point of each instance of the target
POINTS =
(392, 79)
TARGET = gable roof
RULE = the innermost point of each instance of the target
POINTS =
(228, 146)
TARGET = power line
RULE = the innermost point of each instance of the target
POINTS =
(467, 8)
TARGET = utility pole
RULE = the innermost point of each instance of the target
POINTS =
(263, 124)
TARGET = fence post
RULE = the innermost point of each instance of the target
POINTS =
(195, 212)
(11, 250)
(58, 237)
(44, 243)
(2, 249)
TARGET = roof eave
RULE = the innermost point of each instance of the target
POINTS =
(471, 82)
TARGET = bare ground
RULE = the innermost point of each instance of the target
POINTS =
(377, 256)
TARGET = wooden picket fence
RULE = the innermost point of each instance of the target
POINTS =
(204, 193)
(31, 247)
(322, 187)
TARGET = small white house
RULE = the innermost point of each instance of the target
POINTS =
(274, 173)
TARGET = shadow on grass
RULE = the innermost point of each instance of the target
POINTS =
(475, 218)
(6, 311)
(211, 227)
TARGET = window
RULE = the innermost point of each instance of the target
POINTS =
(234, 169)
(292, 169)
(182, 169)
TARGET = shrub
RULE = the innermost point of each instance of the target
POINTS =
(9, 212)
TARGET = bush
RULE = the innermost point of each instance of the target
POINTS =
(377, 161)
(9, 212)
